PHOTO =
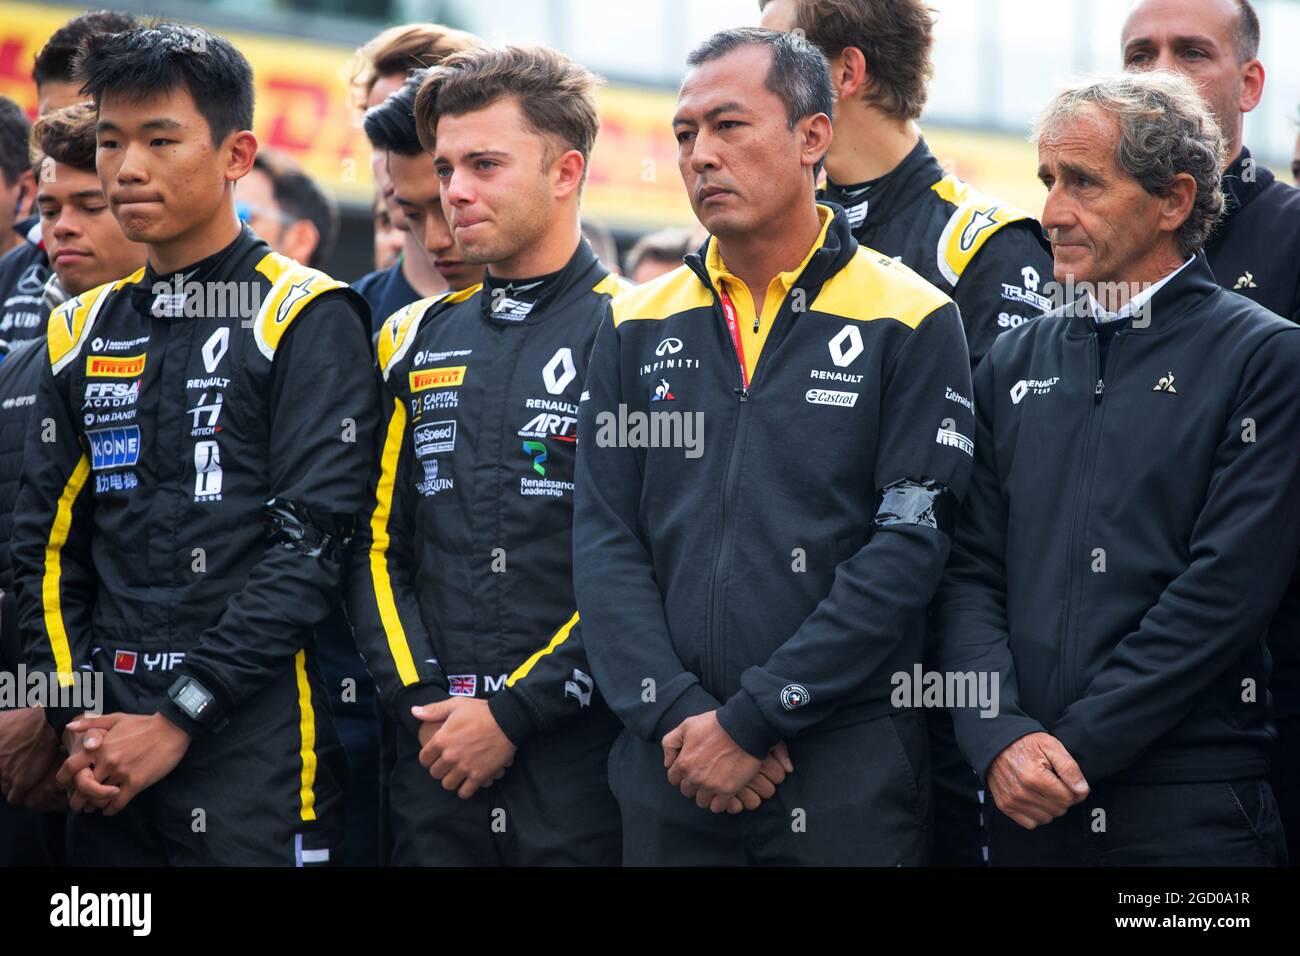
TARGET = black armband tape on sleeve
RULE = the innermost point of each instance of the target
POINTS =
(919, 501)
(315, 535)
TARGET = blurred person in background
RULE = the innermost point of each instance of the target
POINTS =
(380, 68)
(657, 253)
(287, 208)
(87, 248)
(55, 85)
(24, 266)
(602, 244)
(1254, 250)
(388, 238)
(990, 257)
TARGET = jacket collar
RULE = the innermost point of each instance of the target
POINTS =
(836, 250)
(220, 266)
(1180, 294)
(579, 275)
(1242, 182)
(898, 188)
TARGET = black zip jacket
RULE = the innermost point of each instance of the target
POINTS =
(143, 520)
(989, 257)
(779, 570)
(23, 272)
(1127, 538)
(461, 581)
(1255, 247)
(20, 374)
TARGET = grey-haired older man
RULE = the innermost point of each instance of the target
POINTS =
(1131, 523)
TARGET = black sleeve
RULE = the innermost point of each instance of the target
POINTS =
(53, 573)
(391, 633)
(1242, 551)
(324, 413)
(999, 289)
(882, 588)
(549, 688)
(969, 614)
(632, 655)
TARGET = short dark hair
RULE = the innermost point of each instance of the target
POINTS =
(67, 136)
(391, 125)
(556, 95)
(1247, 31)
(163, 56)
(298, 195)
(799, 73)
(895, 37)
(666, 245)
(54, 62)
(14, 130)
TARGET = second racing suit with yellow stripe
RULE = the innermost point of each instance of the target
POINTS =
(197, 460)
(461, 581)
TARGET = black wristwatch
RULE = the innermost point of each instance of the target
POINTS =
(195, 701)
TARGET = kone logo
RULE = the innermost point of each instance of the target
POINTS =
(846, 346)
(559, 371)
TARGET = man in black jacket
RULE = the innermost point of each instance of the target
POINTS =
(749, 590)
(461, 592)
(87, 248)
(207, 426)
(1132, 521)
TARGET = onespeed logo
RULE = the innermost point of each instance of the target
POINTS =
(115, 367)
(75, 908)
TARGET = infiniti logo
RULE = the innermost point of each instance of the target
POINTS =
(668, 347)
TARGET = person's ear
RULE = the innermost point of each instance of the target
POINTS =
(849, 73)
(1176, 205)
(568, 169)
(240, 149)
(1252, 85)
(815, 132)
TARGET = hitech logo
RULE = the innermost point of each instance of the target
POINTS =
(115, 367)
(537, 451)
(448, 376)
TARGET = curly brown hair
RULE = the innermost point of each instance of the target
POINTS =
(67, 136)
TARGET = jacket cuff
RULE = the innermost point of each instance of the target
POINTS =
(59, 717)
(415, 696)
(167, 707)
(746, 725)
(693, 701)
(512, 715)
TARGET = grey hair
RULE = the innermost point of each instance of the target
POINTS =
(1164, 129)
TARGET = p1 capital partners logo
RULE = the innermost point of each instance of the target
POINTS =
(212, 300)
(75, 909)
(81, 690)
(947, 689)
(637, 429)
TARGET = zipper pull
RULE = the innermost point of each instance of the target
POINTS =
(755, 325)
(1098, 392)
(742, 393)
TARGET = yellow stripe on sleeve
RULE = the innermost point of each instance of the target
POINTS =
(51, 598)
(559, 638)
(383, 585)
(307, 728)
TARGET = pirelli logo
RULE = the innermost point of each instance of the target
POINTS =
(449, 376)
(105, 365)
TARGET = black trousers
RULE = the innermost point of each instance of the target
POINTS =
(859, 796)
(265, 791)
(552, 808)
(958, 835)
(1284, 777)
(1220, 823)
